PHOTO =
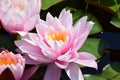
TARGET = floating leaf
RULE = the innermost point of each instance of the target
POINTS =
(94, 46)
(112, 71)
(94, 77)
(96, 28)
(48, 3)
(115, 21)
(116, 78)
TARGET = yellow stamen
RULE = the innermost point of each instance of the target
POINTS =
(6, 59)
(59, 35)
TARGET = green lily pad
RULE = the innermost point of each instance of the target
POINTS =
(97, 26)
(94, 77)
(48, 3)
(94, 46)
(112, 71)
(115, 21)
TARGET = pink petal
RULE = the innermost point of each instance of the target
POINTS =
(66, 46)
(74, 57)
(34, 6)
(12, 22)
(65, 57)
(54, 44)
(14, 26)
(4, 5)
(78, 42)
(28, 37)
(38, 7)
(74, 72)
(66, 18)
(2, 68)
(50, 54)
(52, 73)
(89, 26)
(46, 51)
(22, 33)
(16, 70)
(41, 44)
(54, 22)
(62, 64)
(81, 23)
(87, 59)
(86, 56)
(30, 24)
(31, 38)
(29, 72)
(28, 60)
(34, 52)
(28, 48)
(49, 19)
(41, 27)
(76, 30)
(40, 59)
(79, 34)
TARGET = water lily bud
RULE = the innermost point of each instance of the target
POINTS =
(13, 62)
(19, 15)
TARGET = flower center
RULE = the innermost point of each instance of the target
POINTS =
(19, 4)
(59, 35)
(7, 59)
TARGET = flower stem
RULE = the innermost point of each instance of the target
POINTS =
(87, 1)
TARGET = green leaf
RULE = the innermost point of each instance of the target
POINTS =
(114, 7)
(94, 77)
(77, 15)
(116, 78)
(94, 46)
(115, 21)
(97, 26)
(48, 3)
(112, 71)
(108, 72)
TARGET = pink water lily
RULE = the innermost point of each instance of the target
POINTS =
(19, 15)
(15, 63)
(57, 42)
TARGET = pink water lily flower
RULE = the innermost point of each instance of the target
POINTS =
(57, 42)
(15, 63)
(19, 15)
